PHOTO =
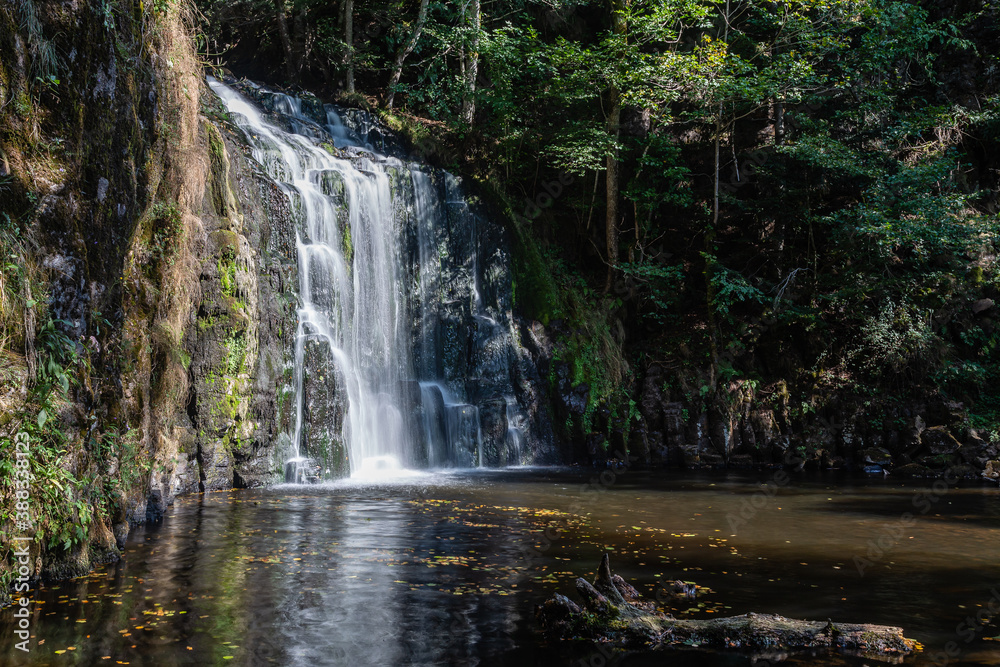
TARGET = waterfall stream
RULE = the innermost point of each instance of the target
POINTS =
(390, 300)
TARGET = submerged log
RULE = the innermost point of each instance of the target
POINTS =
(613, 613)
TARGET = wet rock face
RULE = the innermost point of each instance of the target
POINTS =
(240, 333)
(118, 218)
(916, 439)
(221, 417)
(97, 128)
(323, 402)
(534, 358)
(465, 330)
(356, 126)
(467, 390)
(571, 400)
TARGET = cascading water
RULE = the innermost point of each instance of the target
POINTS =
(515, 430)
(393, 332)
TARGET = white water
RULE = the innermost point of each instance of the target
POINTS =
(515, 426)
(354, 308)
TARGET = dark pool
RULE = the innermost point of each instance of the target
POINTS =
(446, 569)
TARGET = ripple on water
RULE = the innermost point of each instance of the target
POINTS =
(445, 567)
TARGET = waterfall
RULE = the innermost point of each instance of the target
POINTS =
(390, 308)
(515, 430)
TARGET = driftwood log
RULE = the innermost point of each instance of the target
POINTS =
(613, 613)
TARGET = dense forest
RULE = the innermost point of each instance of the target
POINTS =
(735, 235)
(725, 205)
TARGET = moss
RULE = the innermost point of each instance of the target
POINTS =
(544, 289)
(215, 146)
(220, 192)
(348, 246)
(236, 352)
(206, 323)
(230, 399)
(534, 290)
(430, 141)
(226, 242)
(284, 398)
(22, 104)
(355, 100)
(227, 275)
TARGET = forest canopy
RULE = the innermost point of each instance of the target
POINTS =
(802, 189)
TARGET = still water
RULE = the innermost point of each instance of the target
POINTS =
(446, 569)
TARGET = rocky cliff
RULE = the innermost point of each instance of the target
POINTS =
(148, 282)
(149, 295)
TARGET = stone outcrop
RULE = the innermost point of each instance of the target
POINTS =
(168, 261)
(740, 429)
(479, 391)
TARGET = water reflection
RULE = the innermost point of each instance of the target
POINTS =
(432, 571)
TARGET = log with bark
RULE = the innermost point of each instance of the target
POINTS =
(613, 613)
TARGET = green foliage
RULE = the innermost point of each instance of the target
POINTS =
(57, 356)
(580, 147)
(803, 181)
(122, 452)
(226, 266)
(236, 352)
(42, 59)
(61, 517)
(731, 288)
(162, 6)
(19, 286)
(661, 285)
(166, 231)
(662, 180)
(893, 338)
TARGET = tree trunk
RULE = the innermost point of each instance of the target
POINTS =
(397, 64)
(710, 294)
(299, 41)
(612, 190)
(324, 67)
(718, 170)
(349, 41)
(612, 186)
(710, 252)
(616, 616)
(286, 41)
(471, 69)
(779, 124)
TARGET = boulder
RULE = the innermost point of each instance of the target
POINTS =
(938, 440)
(876, 456)
(982, 305)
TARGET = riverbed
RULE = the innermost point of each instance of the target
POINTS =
(445, 568)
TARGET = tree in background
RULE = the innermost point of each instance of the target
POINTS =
(800, 188)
